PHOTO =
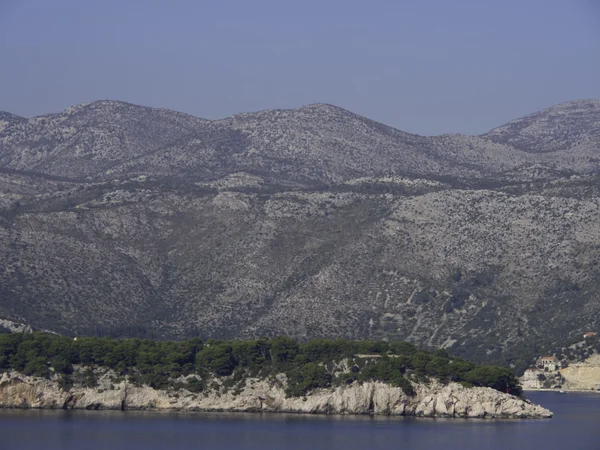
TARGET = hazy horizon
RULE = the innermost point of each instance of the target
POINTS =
(428, 67)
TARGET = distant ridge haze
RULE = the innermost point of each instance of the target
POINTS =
(578, 104)
(319, 143)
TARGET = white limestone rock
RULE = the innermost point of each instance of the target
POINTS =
(430, 400)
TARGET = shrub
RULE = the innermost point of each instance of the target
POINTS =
(195, 385)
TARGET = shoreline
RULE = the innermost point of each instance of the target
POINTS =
(274, 413)
(433, 400)
(267, 413)
(563, 391)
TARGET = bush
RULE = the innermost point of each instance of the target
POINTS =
(89, 378)
(195, 385)
(65, 382)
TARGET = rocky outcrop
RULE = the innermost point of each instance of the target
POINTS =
(430, 400)
(15, 327)
(582, 376)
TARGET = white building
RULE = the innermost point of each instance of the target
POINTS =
(548, 362)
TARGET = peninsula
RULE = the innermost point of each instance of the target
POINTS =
(271, 375)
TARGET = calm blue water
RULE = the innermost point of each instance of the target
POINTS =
(576, 426)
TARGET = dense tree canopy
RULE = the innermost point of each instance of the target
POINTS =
(307, 365)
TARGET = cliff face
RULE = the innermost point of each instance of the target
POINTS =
(430, 400)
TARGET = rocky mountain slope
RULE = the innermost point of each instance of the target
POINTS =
(87, 140)
(8, 120)
(315, 144)
(311, 222)
(553, 129)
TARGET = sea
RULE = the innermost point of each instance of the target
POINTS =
(575, 426)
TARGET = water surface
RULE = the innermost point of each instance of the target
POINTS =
(576, 425)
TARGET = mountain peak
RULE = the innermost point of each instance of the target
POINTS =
(7, 119)
(584, 103)
(106, 105)
(313, 108)
(6, 116)
(560, 127)
(323, 107)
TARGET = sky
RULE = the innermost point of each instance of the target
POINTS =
(423, 66)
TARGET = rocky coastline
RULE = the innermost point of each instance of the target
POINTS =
(268, 395)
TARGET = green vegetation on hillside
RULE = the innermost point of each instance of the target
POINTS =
(315, 364)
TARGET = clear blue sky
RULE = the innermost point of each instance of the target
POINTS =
(427, 67)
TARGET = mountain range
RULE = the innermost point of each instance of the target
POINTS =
(125, 220)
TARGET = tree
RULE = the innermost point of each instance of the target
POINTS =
(63, 366)
(37, 366)
(306, 378)
(498, 378)
(283, 349)
(217, 359)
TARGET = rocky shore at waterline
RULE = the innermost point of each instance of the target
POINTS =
(260, 395)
